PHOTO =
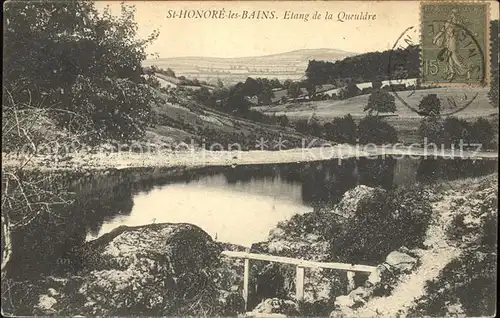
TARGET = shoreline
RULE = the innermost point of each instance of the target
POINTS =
(206, 158)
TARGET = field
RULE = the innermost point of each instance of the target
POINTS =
(404, 120)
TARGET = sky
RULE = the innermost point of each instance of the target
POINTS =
(239, 37)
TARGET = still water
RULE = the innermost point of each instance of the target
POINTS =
(233, 204)
(240, 212)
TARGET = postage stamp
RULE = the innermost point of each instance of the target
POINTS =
(454, 38)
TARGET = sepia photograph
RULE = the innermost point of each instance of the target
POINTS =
(250, 158)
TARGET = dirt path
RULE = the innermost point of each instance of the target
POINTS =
(432, 261)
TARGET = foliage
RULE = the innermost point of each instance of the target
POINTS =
(380, 101)
(204, 97)
(265, 96)
(310, 126)
(366, 67)
(469, 280)
(482, 132)
(294, 90)
(168, 72)
(57, 52)
(351, 90)
(108, 104)
(384, 223)
(372, 129)
(456, 131)
(377, 84)
(494, 35)
(430, 105)
(431, 128)
(341, 129)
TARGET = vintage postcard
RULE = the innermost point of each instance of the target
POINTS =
(250, 158)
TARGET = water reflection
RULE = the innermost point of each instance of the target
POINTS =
(238, 205)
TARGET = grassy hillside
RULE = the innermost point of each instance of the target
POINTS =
(404, 120)
(187, 120)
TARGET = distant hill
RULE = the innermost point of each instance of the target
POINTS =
(290, 65)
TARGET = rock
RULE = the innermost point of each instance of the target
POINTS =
(376, 276)
(351, 200)
(344, 301)
(361, 294)
(400, 261)
(157, 269)
(45, 304)
(275, 306)
(52, 292)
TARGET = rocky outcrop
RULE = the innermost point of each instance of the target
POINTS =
(157, 269)
(273, 307)
(381, 280)
(351, 200)
(305, 237)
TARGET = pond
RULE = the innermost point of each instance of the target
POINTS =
(237, 205)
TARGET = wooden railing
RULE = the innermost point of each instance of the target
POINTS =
(300, 266)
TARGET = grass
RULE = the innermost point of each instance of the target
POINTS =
(404, 120)
(327, 110)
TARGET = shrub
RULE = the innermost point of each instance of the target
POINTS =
(383, 224)
(372, 129)
(430, 105)
(341, 129)
(380, 101)
(482, 132)
(468, 280)
(432, 128)
(456, 131)
(309, 127)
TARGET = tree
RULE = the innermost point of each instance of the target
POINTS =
(351, 90)
(275, 83)
(372, 129)
(456, 131)
(380, 101)
(265, 96)
(294, 90)
(58, 55)
(377, 84)
(432, 128)
(311, 88)
(286, 83)
(315, 127)
(220, 84)
(430, 105)
(170, 72)
(482, 133)
(341, 129)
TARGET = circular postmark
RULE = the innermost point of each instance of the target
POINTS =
(406, 68)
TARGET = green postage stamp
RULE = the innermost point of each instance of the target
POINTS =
(455, 41)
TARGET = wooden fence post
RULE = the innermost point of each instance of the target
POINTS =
(350, 281)
(246, 274)
(299, 284)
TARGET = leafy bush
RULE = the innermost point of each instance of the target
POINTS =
(456, 131)
(341, 129)
(380, 101)
(432, 128)
(482, 132)
(469, 280)
(63, 55)
(108, 104)
(309, 127)
(383, 224)
(430, 105)
(372, 129)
